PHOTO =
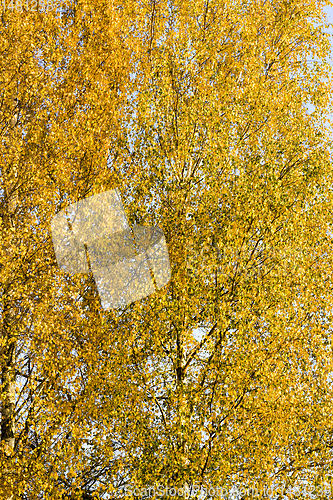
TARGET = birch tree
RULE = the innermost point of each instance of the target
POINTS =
(196, 112)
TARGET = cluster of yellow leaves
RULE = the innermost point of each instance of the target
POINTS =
(195, 110)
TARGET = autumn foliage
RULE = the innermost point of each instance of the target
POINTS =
(196, 112)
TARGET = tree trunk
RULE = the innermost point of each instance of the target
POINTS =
(9, 314)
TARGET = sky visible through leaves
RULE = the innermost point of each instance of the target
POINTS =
(197, 332)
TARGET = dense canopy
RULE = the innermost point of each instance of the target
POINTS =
(196, 111)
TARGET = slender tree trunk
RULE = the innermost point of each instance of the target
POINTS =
(183, 417)
(9, 315)
(8, 382)
(183, 413)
